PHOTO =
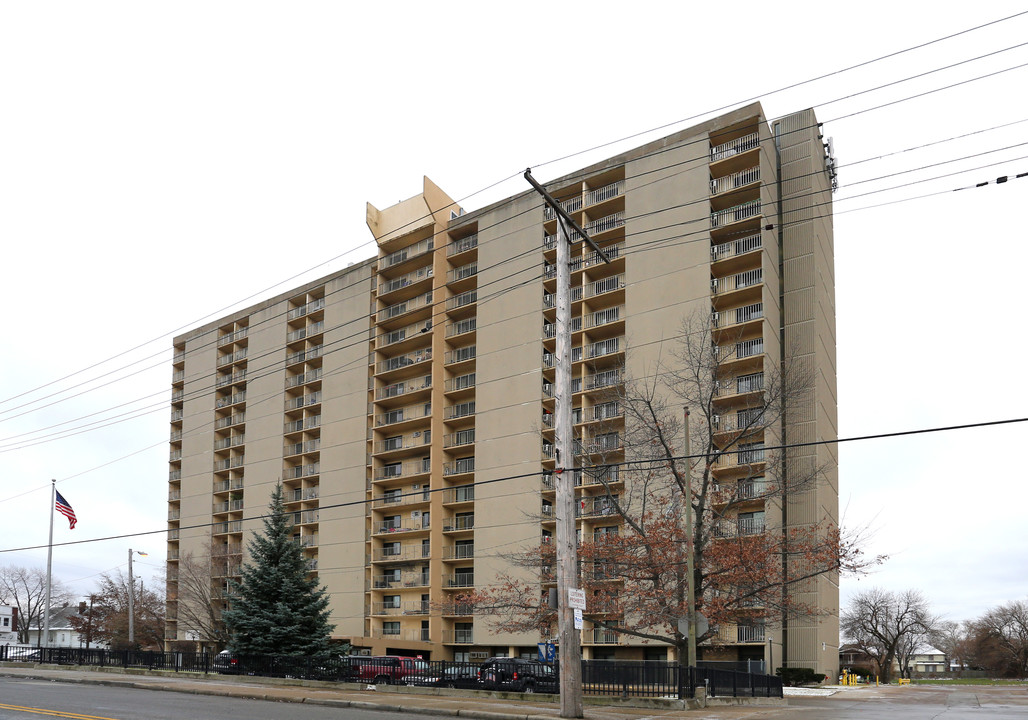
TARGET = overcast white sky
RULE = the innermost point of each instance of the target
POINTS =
(161, 163)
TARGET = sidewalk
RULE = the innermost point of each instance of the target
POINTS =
(426, 701)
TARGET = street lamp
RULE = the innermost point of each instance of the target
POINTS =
(131, 597)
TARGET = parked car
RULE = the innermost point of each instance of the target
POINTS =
(451, 676)
(518, 675)
(24, 654)
(226, 663)
(386, 669)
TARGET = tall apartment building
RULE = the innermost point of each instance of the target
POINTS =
(385, 397)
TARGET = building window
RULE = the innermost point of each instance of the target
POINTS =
(391, 628)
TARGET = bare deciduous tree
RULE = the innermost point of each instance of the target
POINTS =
(887, 624)
(25, 589)
(635, 569)
(108, 617)
(1000, 639)
(199, 612)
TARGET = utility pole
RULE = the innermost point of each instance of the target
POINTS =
(132, 601)
(132, 598)
(567, 548)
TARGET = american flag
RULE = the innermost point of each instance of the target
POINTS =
(62, 506)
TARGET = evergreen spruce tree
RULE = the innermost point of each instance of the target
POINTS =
(277, 609)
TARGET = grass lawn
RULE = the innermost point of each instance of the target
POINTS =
(971, 681)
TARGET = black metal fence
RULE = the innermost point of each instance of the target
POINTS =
(616, 678)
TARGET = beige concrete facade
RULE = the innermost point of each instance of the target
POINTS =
(387, 397)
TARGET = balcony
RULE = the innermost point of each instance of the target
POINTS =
(605, 193)
(305, 332)
(404, 254)
(394, 526)
(459, 552)
(306, 541)
(459, 523)
(403, 388)
(606, 379)
(232, 379)
(300, 356)
(410, 332)
(739, 351)
(395, 552)
(401, 362)
(228, 442)
(606, 285)
(569, 205)
(400, 580)
(459, 411)
(462, 327)
(304, 378)
(550, 329)
(459, 383)
(302, 471)
(736, 213)
(227, 506)
(229, 463)
(301, 448)
(603, 636)
(459, 637)
(221, 486)
(406, 469)
(404, 414)
(739, 281)
(307, 423)
(463, 300)
(412, 441)
(390, 312)
(232, 526)
(232, 337)
(736, 634)
(460, 355)
(404, 281)
(740, 527)
(722, 319)
(462, 273)
(613, 252)
(462, 245)
(605, 224)
(459, 439)
(406, 607)
(230, 420)
(604, 317)
(459, 580)
(459, 494)
(235, 357)
(734, 147)
(735, 181)
(736, 248)
(311, 307)
(750, 420)
(397, 500)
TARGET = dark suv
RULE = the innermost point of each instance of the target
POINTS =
(518, 675)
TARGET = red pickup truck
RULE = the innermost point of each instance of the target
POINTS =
(385, 669)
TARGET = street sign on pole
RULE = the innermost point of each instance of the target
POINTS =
(579, 620)
(576, 598)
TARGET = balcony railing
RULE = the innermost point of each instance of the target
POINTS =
(608, 378)
(229, 463)
(224, 380)
(307, 423)
(459, 580)
(402, 308)
(462, 245)
(232, 526)
(231, 358)
(459, 552)
(307, 377)
(463, 300)
(738, 351)
(403, 469)
(404, 442)
(461, 327)
(466, 522)
(458, 439)
(405, 254)
(737, 316)
(606, 285)
(737, 281)
(232, 337)
(459, 637)
(304, 355)
(410, 412)
(301, 471)
(302, 310)
(227, 442)
(233, 419)
(393, 525)
(734, 147)
(422, 273)
(402, 361)
(460, 354)
(461, 382)
(735, 248)
(460, 494)
(302, 401)
(607, 192)
(460, 410)
(603, 636)
(739, 527)
(743, 211)
(462, 273)
(402, 579)
(613, 252)
(570, 205)
(400, 334)
(306, 332)
(395, 553)
(403, 388)
(226, 485)
(735, 180)
(392, 500)
(605, 224)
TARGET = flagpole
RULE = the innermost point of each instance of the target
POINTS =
(45, 640)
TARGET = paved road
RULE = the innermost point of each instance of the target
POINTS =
(35, 699)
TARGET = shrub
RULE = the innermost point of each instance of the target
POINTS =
(799, 676)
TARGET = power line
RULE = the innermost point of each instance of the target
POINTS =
(642, 464)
